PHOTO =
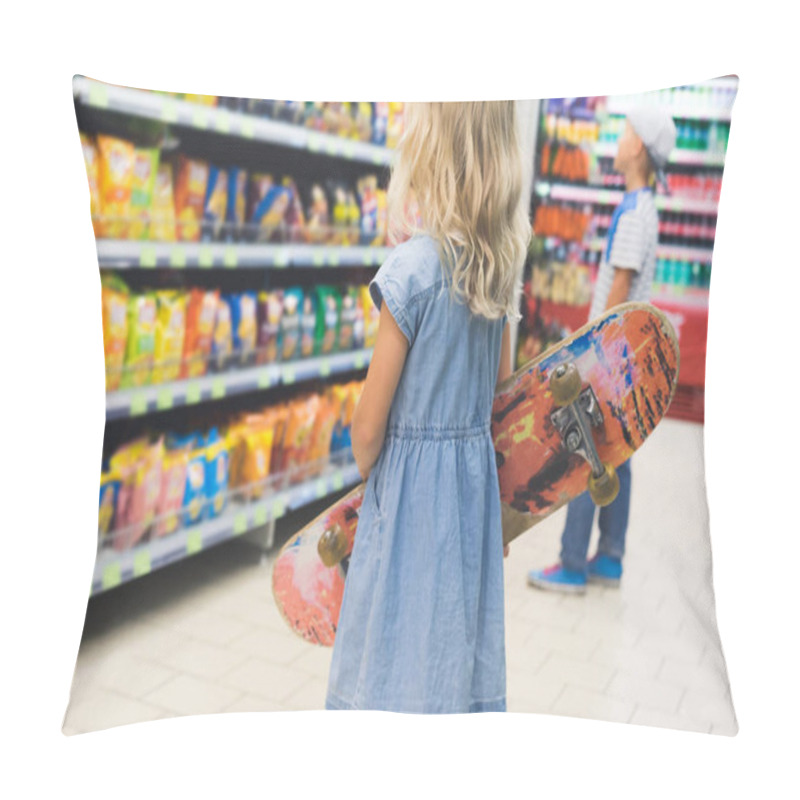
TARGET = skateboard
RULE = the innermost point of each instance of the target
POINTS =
(561, 425)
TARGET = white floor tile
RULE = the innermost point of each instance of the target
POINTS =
(186, 694)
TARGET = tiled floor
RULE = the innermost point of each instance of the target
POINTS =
(204, 636)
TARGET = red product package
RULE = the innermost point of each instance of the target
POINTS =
(190, 195)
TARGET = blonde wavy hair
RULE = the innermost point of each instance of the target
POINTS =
(461, 165)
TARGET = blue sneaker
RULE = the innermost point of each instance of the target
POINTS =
(604, 569)
(559, 579)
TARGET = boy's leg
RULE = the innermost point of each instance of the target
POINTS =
(577, 533)
(613, 518)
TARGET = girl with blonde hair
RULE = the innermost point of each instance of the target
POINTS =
(421, 627)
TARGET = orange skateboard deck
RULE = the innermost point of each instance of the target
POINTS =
(561, 424)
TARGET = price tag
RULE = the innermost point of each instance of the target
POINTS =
(98, 95)
(282, 258)
(112, 576)
(325, 368)
(288, 374)
(138, 404)
(677, 204)
(217, 388)
(264, 379)
(230, 258)
(141, 563)
(359, 360)
(338, 482)
(223, 122)
(248, 128)
(177, 258)
(169, 112)
(194, 544)
(205, 258)
(318, 259)
(379, 157)
(164, 399)
(349, 150)
(333, 258)
(147, 257)
(260, 515)
(192, 393)
(331, 146)
(314, 144)
(199, 118)
(367, 258)
(278, 507)
(239, 523)
(321, 488)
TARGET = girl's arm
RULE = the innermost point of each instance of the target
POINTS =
(372, 412)
(620, 287)
(505, 357)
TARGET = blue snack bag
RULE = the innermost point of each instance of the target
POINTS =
(217, 462)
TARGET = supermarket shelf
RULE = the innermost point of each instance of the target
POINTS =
(621, 106)
(160, 397)
(220, 120)
(697, 158)
(596, 194)
(688, 298)
(125, 254)
(113, 568)
(673, 252)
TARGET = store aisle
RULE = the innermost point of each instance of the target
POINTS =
(204, 636)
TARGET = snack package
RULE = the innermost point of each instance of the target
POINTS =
(367, 192)
(216, 468)
(294, 218)
(140, 346)
(145, 169)
(328, 305)
(362, 130)
(308, 325)
(140, 471)
(290, 323)
(394, 128)
(115, 328)
(109, 489)
(190, 195)
(380, 123)
(222, 340)
(320, 444)
(202, 99)
(170, 334)
(347, 319)
(372, 317)
(270, 213)
(279, 418)
(237, 205)
(340, 213)
(300, 424)
(201, 314)
(358, 322)
(383, 219)
(244, 327)
(92, 160)
(215, 205)
(251, 449)
(352, 220)
(162, 207)
(173, 487)
(318, 226)
(257, 188)
(268, 317)
(115, 179)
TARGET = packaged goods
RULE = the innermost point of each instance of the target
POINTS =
(145, 169)
(190, 195)
(115, 179)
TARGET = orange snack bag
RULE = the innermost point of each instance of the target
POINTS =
(190, 195)
(299, 427)
(173, 485)
(115, 180)
(115, 329)
(201, 313)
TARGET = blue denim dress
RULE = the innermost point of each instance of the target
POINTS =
(421, 627)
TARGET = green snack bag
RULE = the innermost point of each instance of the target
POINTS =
(141, 340)
(308, 325)
(328, 305)
(347, 319)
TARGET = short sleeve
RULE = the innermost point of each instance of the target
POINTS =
(392, 287)
(628, 247)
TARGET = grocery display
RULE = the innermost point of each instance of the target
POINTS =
(177, 205)
(576, 190)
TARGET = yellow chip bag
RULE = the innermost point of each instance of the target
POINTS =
(115, 179)
(141, 340)
(145, 169)
(190, 195)
(115, 329)
(92, 161)
(162, 207)
(169, 335)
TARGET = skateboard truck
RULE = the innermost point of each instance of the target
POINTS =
(577, 414)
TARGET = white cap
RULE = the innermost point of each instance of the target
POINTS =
(656, 129)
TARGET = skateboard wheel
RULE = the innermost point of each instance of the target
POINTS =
(565, 384)
(332, 546)
(605, 488)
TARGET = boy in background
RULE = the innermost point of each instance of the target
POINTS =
(626, 273)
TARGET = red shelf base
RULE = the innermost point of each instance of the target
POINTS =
(688, 404)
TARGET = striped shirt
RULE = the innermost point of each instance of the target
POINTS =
(632, 242)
